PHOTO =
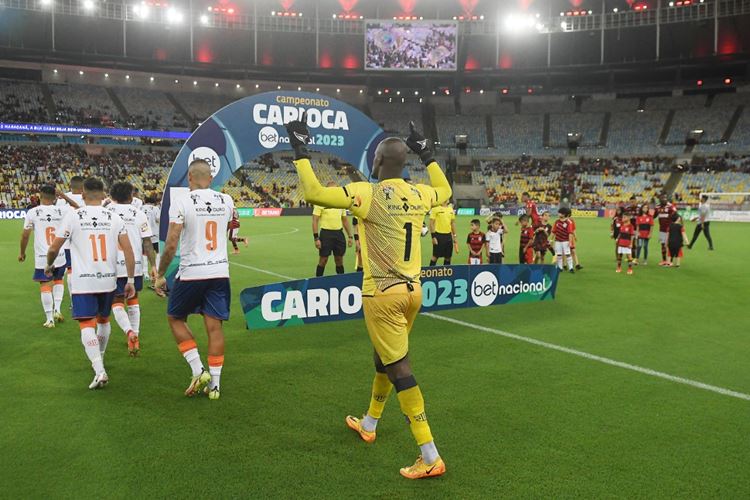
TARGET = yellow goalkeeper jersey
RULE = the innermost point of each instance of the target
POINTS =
(391, 213)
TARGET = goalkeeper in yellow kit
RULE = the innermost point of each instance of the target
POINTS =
(391, 214)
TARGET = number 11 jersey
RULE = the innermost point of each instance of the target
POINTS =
(92, 232)
(205, 215)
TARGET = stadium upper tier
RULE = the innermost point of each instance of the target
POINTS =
(495, 125)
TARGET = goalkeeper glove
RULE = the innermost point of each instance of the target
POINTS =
(418, 144)
(299, 137)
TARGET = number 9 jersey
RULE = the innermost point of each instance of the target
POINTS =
(391, 214)
(205, 215)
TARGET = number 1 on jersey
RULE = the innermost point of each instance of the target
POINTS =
(211, 235)
(407, 247)
(102, 245)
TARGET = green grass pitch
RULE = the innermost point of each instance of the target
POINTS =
(511, 419)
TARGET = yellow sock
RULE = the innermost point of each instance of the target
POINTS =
(381, 389)
(412, 405)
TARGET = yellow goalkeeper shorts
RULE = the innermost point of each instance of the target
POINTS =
(389, 316)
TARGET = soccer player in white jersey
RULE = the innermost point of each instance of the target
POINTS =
(72, 199)
(94, 234)
(152, 209)
(45, 221)
(199, 221)
(137, 201)
(139, 233)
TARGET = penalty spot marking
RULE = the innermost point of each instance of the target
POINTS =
(566, 350)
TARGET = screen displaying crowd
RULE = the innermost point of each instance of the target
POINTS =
(410, 46)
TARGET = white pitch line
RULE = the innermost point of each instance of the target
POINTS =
(262, 270)
(594, 357)
(294, 230)
(567, 350)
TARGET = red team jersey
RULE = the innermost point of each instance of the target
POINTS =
(644, 223)
(476, 242)
(625, 236)
(532, 212)
(562, 230)
(541, 237)
(235, 222)
(664, 214)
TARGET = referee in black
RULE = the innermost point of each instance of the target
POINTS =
(328, 226)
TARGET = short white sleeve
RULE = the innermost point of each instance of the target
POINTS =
(28, 222)
(67, 225)
(176, 212)
(143, 226)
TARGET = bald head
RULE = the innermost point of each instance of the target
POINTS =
(199, 174)
(390, 158)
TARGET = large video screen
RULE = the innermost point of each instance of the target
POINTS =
(411, 45)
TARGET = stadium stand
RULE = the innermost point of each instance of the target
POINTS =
(395, 117)
(22, 102)
(150, 109)
(84, 105)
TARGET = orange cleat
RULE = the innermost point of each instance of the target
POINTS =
(134, 344)
(421, 470)
(355, 424)
(618, 270)
(630, 271)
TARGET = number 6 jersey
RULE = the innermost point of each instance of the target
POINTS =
(45, 220)
(92, 232)
(204, 215)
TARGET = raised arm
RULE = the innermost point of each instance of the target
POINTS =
(314, 191)
(419, 145)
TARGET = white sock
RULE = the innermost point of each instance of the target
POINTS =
(134, 315)
(58, 292)
(369, 423)
(559, 262)
(157, 261)
(48, 304)
(67, 282)
(91, 346)
(429, 453)
(122, 319)
(102, 333)
(570, 262)
(194, 360)
(215, 372)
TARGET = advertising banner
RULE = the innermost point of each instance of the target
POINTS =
(254, 125)
(339, 297)
(9, 213)
(267, 212)
(41, 128)
(246, 212)
(575, 212)
(465, 211)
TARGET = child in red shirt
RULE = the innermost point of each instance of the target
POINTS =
(625, 244)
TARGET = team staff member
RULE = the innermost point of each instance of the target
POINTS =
(443, 230)
(331, 222)
(704, 210)
(390, 213)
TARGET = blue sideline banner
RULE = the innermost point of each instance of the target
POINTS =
(339, 297)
